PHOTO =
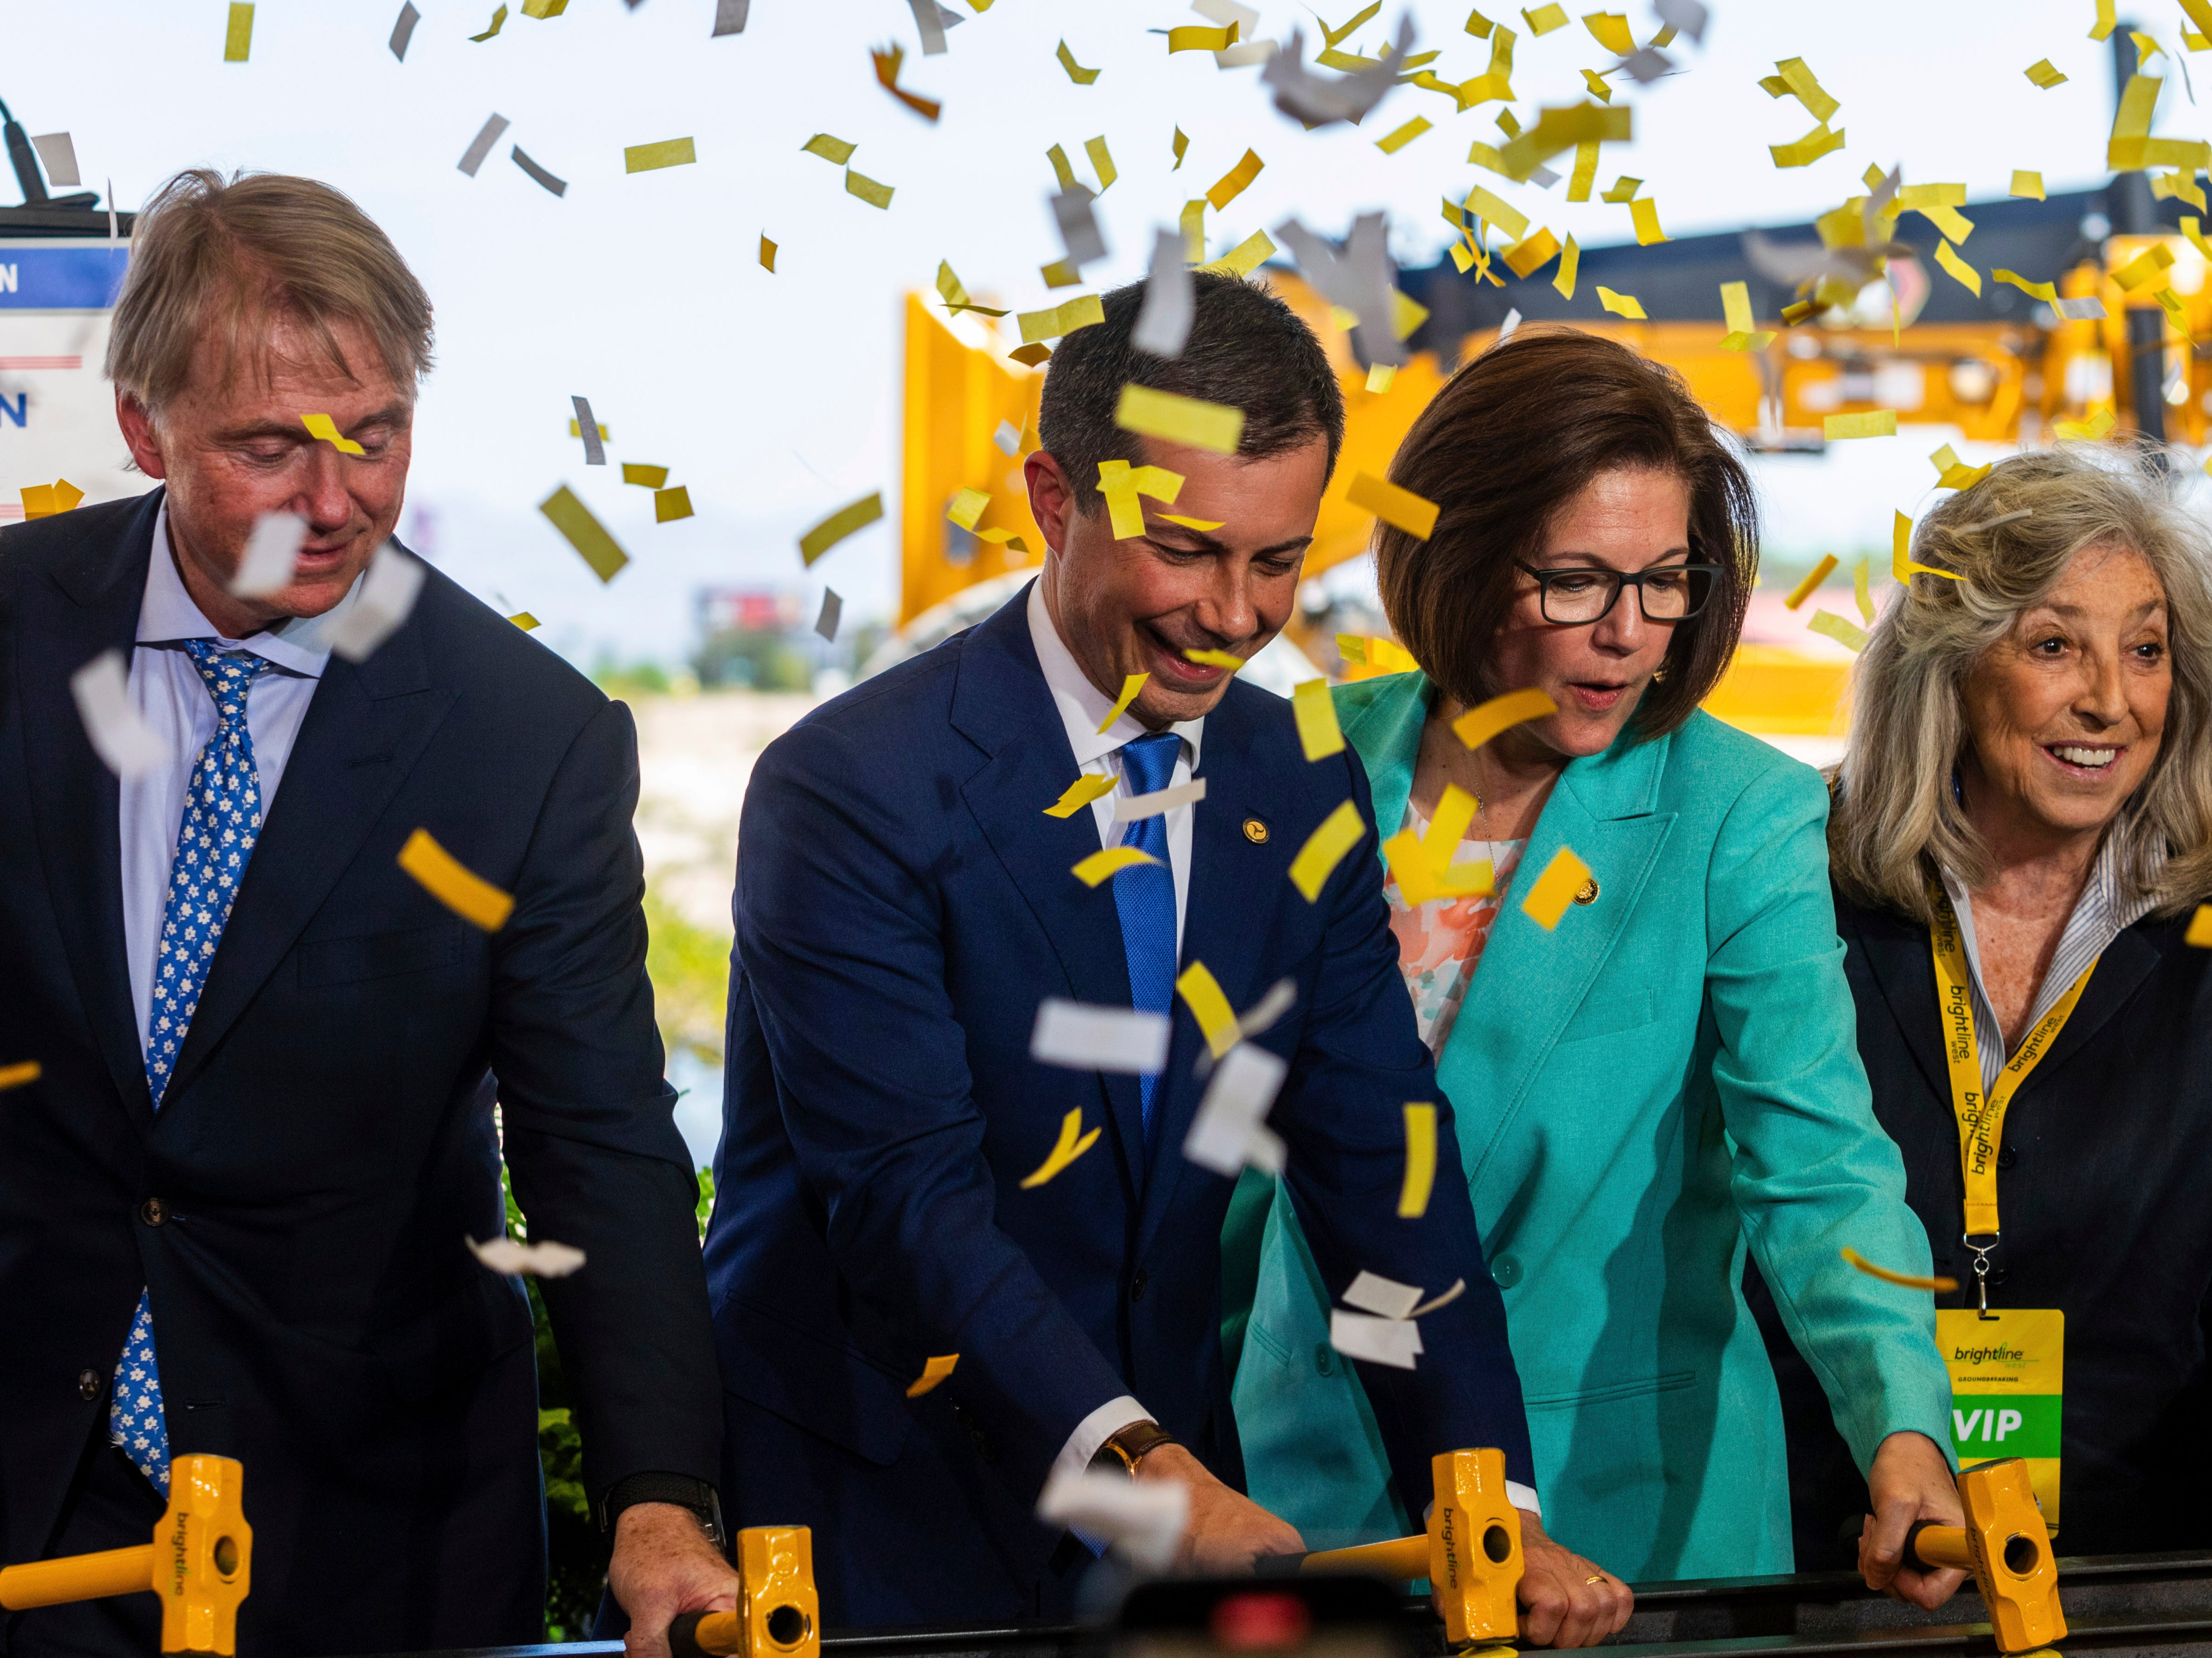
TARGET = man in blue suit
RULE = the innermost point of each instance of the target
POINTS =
(904, 901)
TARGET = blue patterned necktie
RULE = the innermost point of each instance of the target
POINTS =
(1145, 895)
(214, 839)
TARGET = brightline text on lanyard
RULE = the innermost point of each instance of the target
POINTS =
(1981, 1123)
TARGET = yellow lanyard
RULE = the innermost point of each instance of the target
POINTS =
(1981, 1123)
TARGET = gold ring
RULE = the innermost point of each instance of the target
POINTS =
(1600, 1578)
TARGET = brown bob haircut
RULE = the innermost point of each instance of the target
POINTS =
(1512, 439)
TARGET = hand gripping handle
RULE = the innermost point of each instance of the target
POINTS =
(706, 1635)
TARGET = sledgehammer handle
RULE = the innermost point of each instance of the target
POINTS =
(706, 1635)
(1929, 1546)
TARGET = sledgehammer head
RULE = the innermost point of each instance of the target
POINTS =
(203, 1556)
(2005, 1544)
(1474, 1546)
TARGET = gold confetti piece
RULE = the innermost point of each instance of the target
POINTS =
(1122, 484)
(577, 431)
(954, 292)
(1542, 20)
(1495, 210)
(1060, 169)
(669, 505)
(1191, 38)
(1596, 84)
(1456, 810)
(2105, 21)
(1585, 173)
(1805, 589)
(2027, 183)
(1420, 1155)
(1181, 143)
(1942, 1286)
(1202, 425)
(1324, 850)
(2145, 48)
(1645, 213)
(2145, 268)
(1796, 78)
(1101, 163)
(1246, 256)
(2190, 229)
(1624, 189)
(1071, 1145)
(1478, 25)
(1571, 258)
(1862, 593)
(2200, 928)
(2178, 187)
(669, 152)
(1525, 258)
(524, 621)
(829, 149)
(16, 1076)
(324, 427)
(1744, 333)
(1060, 273)
(2092, 430)
(888, 61)
(1880, 423)
(543, 9)
(1201, 993)
(1486, 719)
(2047, 292)
(1901, 564)
(1416, 878)
(967, 507)
(1555, 889)
(1391, 143)
(498, 22)
(1461, 258)
(1610, 30)
(653, 478)
(1965, 274)
(1030, 355)
(1952, 473)
(1131, 684)
(1401, 508)
(934, 1370)
(1809, 148)
(839, 525)
(1111, 861)
(1215, 659)
(2044, 75)
(585, 534)
(1076, 72)
(459, 888)
(45, 499)
(859, 184)
(238, 35)
(1319, 734)
(1333, 36)
(1381, 375)
(1231, 184)
(1063, 318)
(1078, 794)
(1844, 632)
(1621, 305)
(1406, 314)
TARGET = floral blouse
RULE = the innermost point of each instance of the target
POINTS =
(1440, 942)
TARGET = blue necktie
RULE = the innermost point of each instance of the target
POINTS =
(1145, 895)
(221, 821)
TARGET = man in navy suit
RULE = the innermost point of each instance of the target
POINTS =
(234, 1199)
(905, 900)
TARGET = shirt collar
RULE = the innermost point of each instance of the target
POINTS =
(1082, 705)
(2098, 917)
(167, 616)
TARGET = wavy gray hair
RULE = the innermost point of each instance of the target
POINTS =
(1895, 817)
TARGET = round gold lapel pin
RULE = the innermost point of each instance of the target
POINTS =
(1588, 895)
(1255, 831)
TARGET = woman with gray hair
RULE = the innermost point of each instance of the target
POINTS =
(2021, 827)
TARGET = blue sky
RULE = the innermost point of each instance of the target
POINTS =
(775, 398)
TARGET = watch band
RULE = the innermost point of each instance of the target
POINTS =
(682, 1490)
(1126, 1448)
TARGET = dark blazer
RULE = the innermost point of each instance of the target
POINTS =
(902, 905)
(328, 1137)
(2102, 1184)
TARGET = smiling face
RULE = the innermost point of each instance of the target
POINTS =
(231, 451)
(1135, 605)
(1628, 521)
(2065, 713)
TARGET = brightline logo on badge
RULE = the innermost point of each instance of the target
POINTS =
(1997, 1355)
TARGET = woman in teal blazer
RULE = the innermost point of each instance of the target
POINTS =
(1666, 1076)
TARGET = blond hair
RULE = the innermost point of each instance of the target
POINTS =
(215, 260)
(1896, 817)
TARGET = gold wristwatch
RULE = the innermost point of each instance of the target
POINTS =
(1124, 1449)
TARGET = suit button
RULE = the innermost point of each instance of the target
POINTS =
(88, 1384)
(2005, 1158)
(1137, 1285)
(153, 1212)
(1324, 1359)
(1506, 1271)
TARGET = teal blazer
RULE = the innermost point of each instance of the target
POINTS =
(1670, 1075)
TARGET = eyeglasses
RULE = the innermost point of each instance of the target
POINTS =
(1577, 597)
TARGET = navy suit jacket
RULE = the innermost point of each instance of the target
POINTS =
(327, 1137)
(903, 905)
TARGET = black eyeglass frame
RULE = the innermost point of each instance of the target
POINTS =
(1698, 599)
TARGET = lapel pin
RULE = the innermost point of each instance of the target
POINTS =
(1255, 831)
(1587, 893)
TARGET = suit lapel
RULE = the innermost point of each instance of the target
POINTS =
(1000, 702)
(92, 606)
(365, 728)
(2122, 969)
(1529, 981)
(1897, 953)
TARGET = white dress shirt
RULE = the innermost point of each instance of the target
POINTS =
(170, 697)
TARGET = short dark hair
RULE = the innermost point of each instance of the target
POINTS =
(1246, 348)
(1502, 449)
